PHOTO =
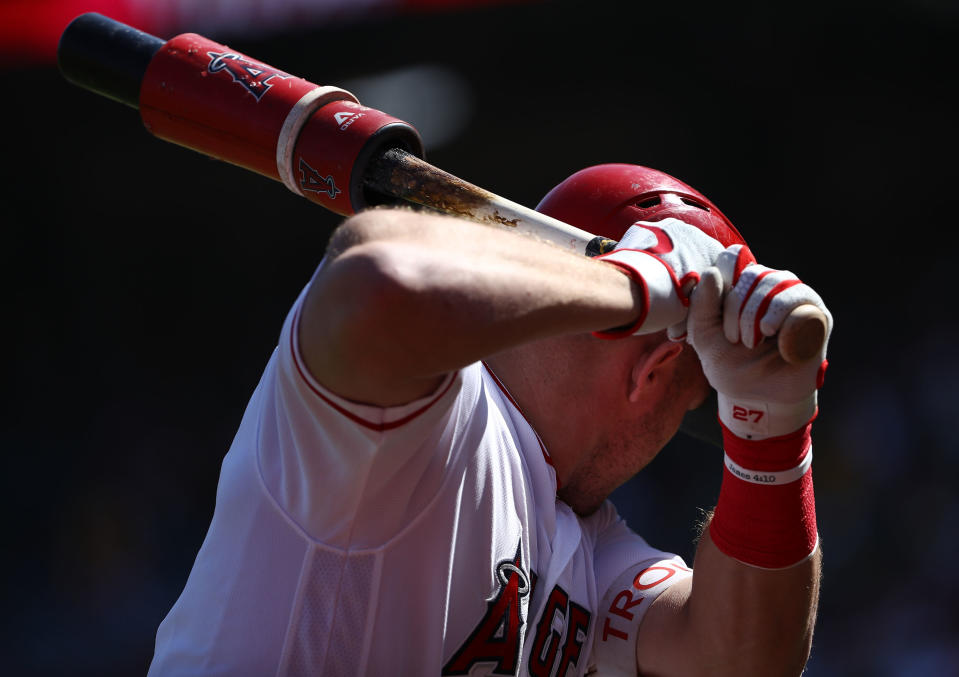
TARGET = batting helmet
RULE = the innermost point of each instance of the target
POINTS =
(607, 199)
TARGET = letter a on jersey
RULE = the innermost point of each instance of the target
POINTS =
(497, 638)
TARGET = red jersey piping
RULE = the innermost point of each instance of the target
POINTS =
(379, 427)
(546, 456)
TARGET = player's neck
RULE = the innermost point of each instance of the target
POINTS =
(543, 396)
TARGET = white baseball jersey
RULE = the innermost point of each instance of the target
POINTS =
(422, 539)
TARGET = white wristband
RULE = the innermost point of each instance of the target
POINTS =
(758, 420)
(770, 477)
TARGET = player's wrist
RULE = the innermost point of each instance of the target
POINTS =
(774, 454)
(664, 306)
(766, 513)
(755, 419)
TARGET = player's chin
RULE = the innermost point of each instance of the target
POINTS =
(586, 490)
(582, 505)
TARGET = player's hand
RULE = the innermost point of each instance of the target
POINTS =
(666, 258)
(735, 306)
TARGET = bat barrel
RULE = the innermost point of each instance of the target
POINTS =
(319, 141)
(400, 174)
(106, 56)
(206, 96)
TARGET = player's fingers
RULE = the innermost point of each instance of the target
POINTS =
(758, 288)
(732, 261)
(705, 304)
(783, 303)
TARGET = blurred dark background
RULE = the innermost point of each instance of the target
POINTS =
(146, 284)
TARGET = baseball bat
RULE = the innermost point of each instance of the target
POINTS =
(318, 140)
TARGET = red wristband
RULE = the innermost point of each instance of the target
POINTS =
(766, 513)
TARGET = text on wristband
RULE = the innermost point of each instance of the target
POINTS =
(754, 477)
(744, 414)
(769, 477)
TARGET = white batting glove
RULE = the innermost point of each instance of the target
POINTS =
(665, 258)
(734, 306)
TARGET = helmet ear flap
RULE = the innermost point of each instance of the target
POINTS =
(607, 199)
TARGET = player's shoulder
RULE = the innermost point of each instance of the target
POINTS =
(604, 523)
(616, 546)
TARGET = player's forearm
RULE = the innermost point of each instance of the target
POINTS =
(754, 594)
(407, 297)
(756, 586)
(752, 621)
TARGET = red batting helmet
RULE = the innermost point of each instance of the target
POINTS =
(607, 199)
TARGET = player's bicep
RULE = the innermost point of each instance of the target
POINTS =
(346, 335)
(661, 639)
(644, 596)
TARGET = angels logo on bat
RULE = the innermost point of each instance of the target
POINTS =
(253, 77)
(311, 180)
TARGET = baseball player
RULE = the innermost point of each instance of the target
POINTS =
(418, 485)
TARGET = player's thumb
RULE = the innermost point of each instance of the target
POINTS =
(705, 304)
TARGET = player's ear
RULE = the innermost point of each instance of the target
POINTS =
(652, 367)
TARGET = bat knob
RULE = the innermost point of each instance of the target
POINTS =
(106, 56)
(802, 335)
(600, 245)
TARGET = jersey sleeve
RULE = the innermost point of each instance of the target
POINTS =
(630, 575)
(351, 475)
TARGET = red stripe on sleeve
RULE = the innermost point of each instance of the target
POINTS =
(372, 425)
(506, 394)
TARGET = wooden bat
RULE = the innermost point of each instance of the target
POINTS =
(203, 95)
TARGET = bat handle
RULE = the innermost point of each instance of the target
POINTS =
(803, 333)
(800, 338)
